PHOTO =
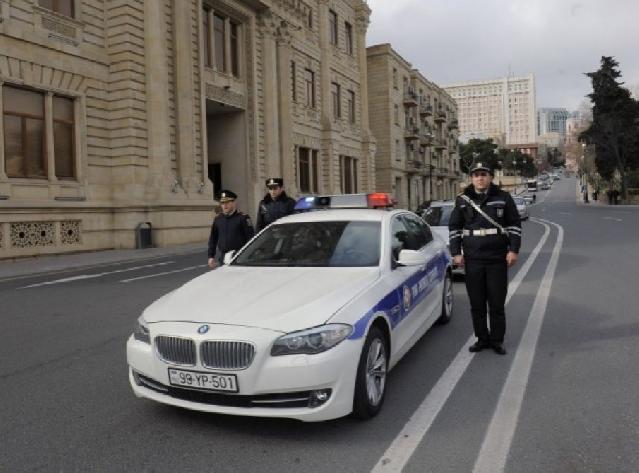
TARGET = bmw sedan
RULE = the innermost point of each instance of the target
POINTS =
(304, 322)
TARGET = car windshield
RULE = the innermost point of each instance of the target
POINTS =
(322, 244)
(519, 201)
(438, 216)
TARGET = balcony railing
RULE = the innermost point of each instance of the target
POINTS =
(440, 116)
(411, 99)
(412, 133)
(426, 110)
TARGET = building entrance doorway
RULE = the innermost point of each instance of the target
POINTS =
(227, 149)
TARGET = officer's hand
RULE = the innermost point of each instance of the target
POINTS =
(212, 263)
(458, 260)
(511, 258)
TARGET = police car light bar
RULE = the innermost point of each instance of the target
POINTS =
(345, 201)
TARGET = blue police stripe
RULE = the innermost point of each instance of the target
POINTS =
(420, 286)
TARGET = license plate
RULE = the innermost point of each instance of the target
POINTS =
(206, 381)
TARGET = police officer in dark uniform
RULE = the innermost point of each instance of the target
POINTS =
(230, 230)
(488, 251)
(275, 204)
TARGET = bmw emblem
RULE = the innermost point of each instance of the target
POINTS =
(203, 329)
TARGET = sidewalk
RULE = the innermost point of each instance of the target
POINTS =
(32, 266)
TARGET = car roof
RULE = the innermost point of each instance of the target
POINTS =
(442, 203)
(334, 215)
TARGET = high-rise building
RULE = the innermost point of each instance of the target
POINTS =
(552, 120)
(415, 124)
(501, 109)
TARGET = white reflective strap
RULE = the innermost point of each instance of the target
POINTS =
(452, 237)
(497, 202)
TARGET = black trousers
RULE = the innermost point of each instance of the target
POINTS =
(487, 283)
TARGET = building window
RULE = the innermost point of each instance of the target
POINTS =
(349, 38)
(235, 49)
(206, 31)
(307, 170)
(219, 29)
(294, 81)
(63, 7)
(332, 21)
(351, 106)
(348, 171)
(63, 137)
(309, 18)
(25, 134)
(395, 78)
(309, 78)
(336, 94)
(396, 114)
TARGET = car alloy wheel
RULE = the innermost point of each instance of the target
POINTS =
(370, 383)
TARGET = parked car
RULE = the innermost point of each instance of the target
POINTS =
(522, 207)
(437, 217)
(304, 321)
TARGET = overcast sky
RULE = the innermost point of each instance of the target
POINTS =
(453, 41)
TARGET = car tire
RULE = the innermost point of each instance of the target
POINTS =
(372, 371)
(447, 301)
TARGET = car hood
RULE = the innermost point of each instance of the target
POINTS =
(281, 299)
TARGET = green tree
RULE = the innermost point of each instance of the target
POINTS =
(477, 150)
(614, 130)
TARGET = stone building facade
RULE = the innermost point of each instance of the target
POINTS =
(415, 124)
(119, 112)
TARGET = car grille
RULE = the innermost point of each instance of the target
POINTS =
(176, 350)
(227, 355)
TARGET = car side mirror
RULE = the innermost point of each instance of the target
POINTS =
(229, 256)
(410, 258)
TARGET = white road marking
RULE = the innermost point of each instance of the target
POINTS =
(612, 218)
(164, 273)
(494, 451)
(97, 275)
(399, 452)
(565, 213)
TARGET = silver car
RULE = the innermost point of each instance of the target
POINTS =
(437, 217)
(522, 207)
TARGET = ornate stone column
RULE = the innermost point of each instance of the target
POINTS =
(184, 94)
(328, 148)
(160, 177)
(268, 26)
(3, 174)
(285, 106)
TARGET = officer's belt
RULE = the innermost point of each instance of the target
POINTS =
(482, 232)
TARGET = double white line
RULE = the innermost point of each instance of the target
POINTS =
(492, 457)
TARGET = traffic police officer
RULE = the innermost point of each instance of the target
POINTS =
(489, 248)
(275, 204)
(230, 230)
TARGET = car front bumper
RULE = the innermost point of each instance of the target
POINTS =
(269, 387)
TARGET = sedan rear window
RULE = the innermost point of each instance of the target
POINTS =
(438, 216)
(322, 244)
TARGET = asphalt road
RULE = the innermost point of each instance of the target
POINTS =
(564, 398)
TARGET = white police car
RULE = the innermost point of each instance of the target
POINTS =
(304, 322)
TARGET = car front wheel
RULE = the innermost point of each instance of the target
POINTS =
(370, 383)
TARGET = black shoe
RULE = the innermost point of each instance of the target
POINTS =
(478, 346)
(498, 348)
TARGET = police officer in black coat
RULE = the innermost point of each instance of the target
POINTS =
(275, 204)
(231, 230)
(488, 251)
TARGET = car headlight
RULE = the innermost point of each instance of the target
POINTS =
(141, 331)
(311, 341)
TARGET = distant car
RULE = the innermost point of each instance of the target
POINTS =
(528, 198)
(545, 186)
(437, 217)
(522, 207)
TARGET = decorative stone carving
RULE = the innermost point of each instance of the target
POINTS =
(58, 27)
(228, 97)
(70, 232)
(30, 234)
